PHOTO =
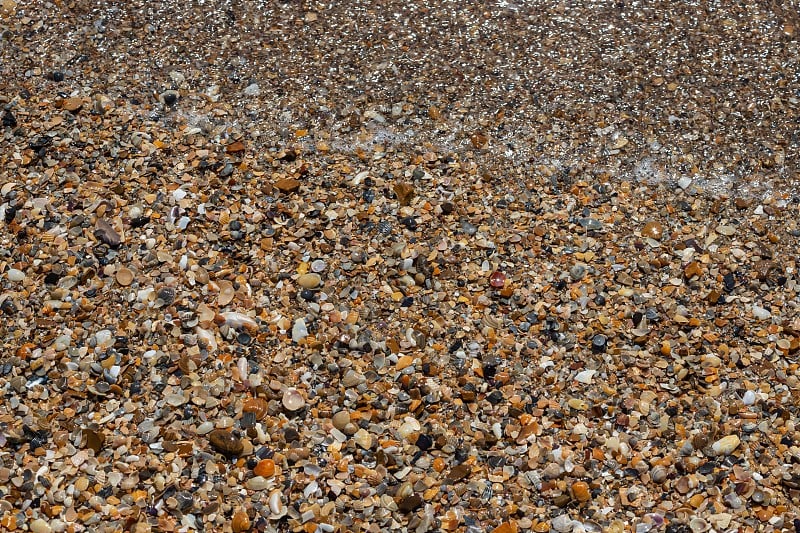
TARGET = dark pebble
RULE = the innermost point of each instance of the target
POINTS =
(408, 301)
(9, 120)
(424, 442)
(226, 442)
(384, 227)
(447, 208)
(495, 397)
(226, 171)
(170, 97)
(730, 281)
(307, 295)
(57, 76)
(51, 278)
(599, 343)
(410, 503)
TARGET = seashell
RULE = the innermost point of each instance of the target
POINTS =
(659, 474)
(240, 522)
(239, 321)
(124, 276)
(698, 525)
(276, 505)
(258, 406)
(292, 400)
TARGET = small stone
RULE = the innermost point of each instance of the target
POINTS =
(458, 473)
(726, 445)
(749, 398)
(341, 419)
(653, 230)
(497, 279)
(39, 526)
(265, 468)
(684, 182)
(252, 90)
(404, 192)
(226, 442)
(725, 230)
(15, 275)
(577, 272)
(311, 280)
(760, 313)
(292, 399)
(599, 343)
(506, 527)
(72, 105)
(409, 503)
(106, 233)
(581, 492)
(170, 97)
(287, 185)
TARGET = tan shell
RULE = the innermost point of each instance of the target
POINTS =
(124, 276)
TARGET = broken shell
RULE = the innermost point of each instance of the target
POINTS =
(276, 505)
(257, 406)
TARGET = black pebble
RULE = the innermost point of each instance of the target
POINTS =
(424, 442)
(51, 278)
(447, 208)
(138, 222)
(57, 76)
(408, 301)
(170, 98)
(730, 281)
(9, 120)
(495, 397)
(307, 295)
(409, 222)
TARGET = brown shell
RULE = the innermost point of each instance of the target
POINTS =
(258, 406)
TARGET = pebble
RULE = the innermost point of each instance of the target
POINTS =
(341, 419)
(39, 526)
(726, 445)
(15, 275)
(309, 281)
(653, 230)
(226, 442)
